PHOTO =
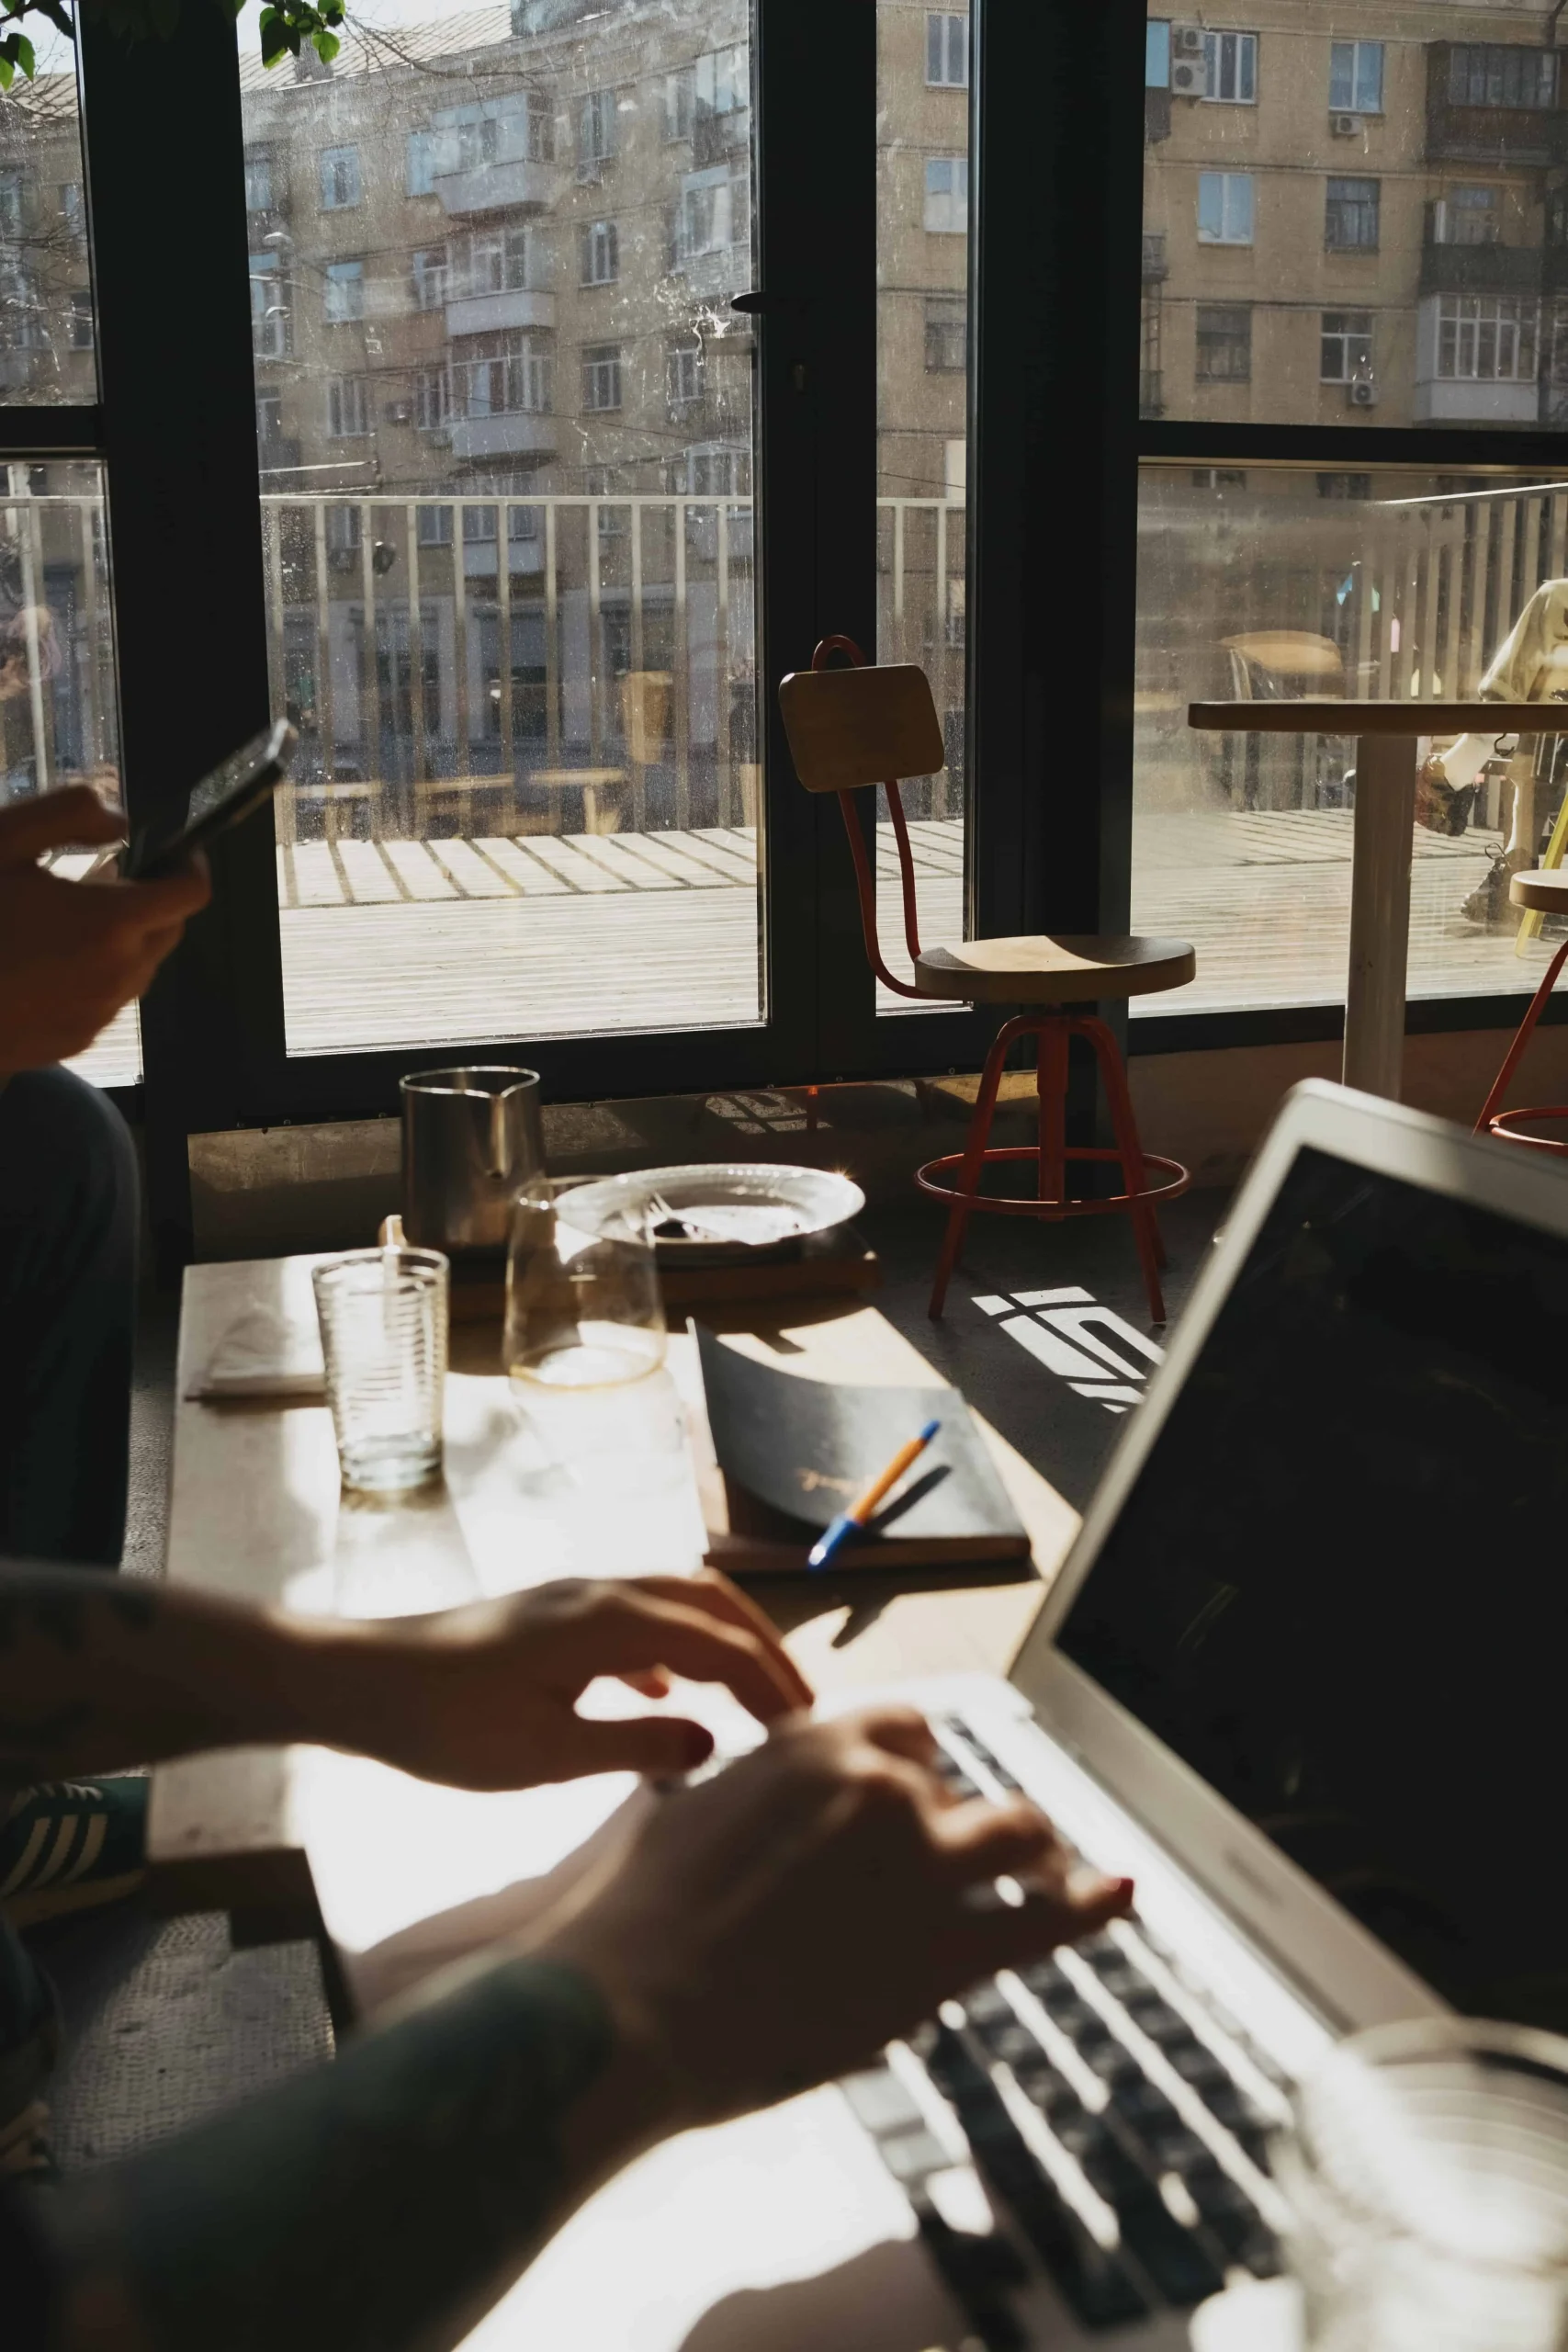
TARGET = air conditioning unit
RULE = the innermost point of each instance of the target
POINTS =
(1188, 62)
(591, 174)
(1344, 126)
(1362, 393)
(399, 411)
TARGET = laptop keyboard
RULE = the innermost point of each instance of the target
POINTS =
(1093, 2114)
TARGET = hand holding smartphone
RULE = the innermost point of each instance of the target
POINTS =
(221, 799)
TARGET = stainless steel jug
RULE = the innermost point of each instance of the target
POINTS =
(472, 1139)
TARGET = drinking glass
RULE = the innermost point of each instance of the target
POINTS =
(583, 1309)
(1428, 2178)
(383, 1318)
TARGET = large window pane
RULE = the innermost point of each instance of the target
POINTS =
(1288, 584)
(58, 709)
(504, 424)
(923, 378)
(46, 303)
(1404, 165)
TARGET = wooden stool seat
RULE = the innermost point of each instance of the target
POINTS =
(1042, 969)
(1544, 891)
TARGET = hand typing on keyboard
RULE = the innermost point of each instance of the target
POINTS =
(777, 1925)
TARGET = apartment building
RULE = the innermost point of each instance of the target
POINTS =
(1357, 211)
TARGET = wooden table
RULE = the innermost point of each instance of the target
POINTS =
(590, 782)
(257, 1511)
(1386, 735)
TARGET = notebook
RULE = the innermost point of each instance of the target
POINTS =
(788, 1454)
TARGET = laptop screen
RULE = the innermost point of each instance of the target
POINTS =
(1337, 1586)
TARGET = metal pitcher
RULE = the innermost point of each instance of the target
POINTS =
(472, 1139)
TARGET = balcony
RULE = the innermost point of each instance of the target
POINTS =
(521, 432)
(1155, 266)
(713, 276)
(280, 456)
(1512, 136)
(1481, 270)
(498, 187)
(1447, 401)
(493, 313)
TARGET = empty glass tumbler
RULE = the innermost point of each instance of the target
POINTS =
(383, 1318)
(1427, 2176)
(583, 1309)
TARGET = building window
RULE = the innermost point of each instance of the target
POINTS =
(947, 52)
(601, 376)
(343, 530)
(679, 102)
(269, 419)
(685, 373)
(1346, 346)
(495, 261)
(434, 525)
(1498, 73)
(502, 375)
(947, 195)
(710, 213)
(1224, 207)
(1355, 77)
(258, 180)
(1343, 485)
(1469, 215)
(596, 128)
(269, 313)
(340, 179)
(724, 80)
(344, 293)
(431, 398)
(601, 253)
(423, 147)
(947, 334)
(1218, 477)
(1230, 63)
(10, 202)
(81, 301)
(1350, 223)
(1224, 343)
(428, 276)
(713, 470)
(348, 406)
(1487, 338)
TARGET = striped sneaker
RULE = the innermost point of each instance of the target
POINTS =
(70, 1845)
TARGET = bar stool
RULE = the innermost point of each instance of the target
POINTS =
(852, 727)
(1543, 892)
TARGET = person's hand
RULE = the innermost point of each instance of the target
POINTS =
(774, 1927)
(486, 1697)
(73, 955)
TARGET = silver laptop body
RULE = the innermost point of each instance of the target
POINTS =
(1076, 2155)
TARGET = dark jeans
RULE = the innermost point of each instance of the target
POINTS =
(68, 1233)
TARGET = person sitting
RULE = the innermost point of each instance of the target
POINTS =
(71, 956)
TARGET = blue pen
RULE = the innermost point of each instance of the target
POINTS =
(850, 1523)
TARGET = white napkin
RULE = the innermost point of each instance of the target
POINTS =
(263, 1353)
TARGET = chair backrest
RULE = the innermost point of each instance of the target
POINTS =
(852, 727)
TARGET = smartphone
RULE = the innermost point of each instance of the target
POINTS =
(220, 799)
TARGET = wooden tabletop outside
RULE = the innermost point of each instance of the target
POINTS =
(1381, 718)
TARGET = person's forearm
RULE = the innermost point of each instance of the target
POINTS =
(380, 2204)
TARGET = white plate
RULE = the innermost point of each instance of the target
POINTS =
(732, 1212)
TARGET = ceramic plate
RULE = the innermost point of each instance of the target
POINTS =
(719, 1212)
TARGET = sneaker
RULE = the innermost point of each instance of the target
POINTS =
(1488, 905)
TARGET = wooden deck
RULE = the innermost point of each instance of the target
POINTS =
(429, 942)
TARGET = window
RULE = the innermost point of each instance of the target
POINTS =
(343, 530)
(344, 292)
(269, 313)
(11, 206)
(348, 406)
(601, 376)
(1224, 207)
(723, 80)
(1219, 477)
(1355, 77)
(428, 276)
(947, 52)
(1224, 343)
(1343, 485)
(340, 179)
(685, 371)
(495, 261)
(502, 375)
(1156, 54)
(431, 398)
(710, 213)
(269, 418)
(71, 210)
(80, 319)
(1487, 338)
(596, 128)
(712, 470)
(1350, 222)
(1469, 215)
(1496, 73)
(420, 173)
(1230, 61)
(434, 525)
(601, 253)
(680, 102)
(258, 180)
(947, 195)
(947, 333)
(1346, 346)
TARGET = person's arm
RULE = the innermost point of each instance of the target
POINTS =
(766, 1931)
(98, 1672)
(71, 954)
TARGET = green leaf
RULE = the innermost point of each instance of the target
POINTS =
(326, 46)
(25, 58)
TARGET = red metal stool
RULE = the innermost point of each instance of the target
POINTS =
(859, 726)
(1543, 892)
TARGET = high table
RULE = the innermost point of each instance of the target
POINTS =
(1386, 734)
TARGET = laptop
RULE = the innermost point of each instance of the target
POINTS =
(1301, 1676)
